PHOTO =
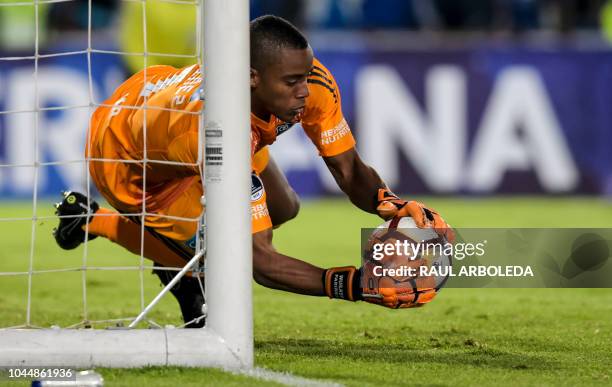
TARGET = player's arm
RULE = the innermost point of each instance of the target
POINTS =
(356, 179)
(324, 123)
(278, 271)
(367, 191)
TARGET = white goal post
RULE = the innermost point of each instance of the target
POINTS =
(227, 339)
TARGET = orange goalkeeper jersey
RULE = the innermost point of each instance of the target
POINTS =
(164, 113)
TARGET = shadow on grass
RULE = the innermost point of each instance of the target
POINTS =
(468, 353)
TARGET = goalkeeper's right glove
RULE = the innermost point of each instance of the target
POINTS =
(389, 205)
(350, 283)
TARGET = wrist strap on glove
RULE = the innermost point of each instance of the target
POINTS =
(385, 194)
(343, 283)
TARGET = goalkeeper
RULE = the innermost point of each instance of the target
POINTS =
(288, 86)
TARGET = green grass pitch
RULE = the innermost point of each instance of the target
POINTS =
(484, 337)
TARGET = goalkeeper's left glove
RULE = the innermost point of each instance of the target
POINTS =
(389, 205)
(346, 283)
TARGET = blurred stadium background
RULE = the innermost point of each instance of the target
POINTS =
(445, 97)
(497, 110)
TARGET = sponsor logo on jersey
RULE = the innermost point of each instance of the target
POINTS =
(174, 79)
(197, 95)
(282, 128)
(259, 211)
(257, 188)
(336, 133)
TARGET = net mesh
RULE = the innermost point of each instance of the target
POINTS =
(37, 155)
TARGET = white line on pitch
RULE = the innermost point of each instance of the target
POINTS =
(284, 378)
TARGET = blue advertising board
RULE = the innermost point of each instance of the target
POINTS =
(480, 121)
(59, 88)
(461, 121)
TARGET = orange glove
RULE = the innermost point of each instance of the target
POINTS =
(396, 291)
(390, 205)
(392, 292)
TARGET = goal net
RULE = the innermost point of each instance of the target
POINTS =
(99, 305)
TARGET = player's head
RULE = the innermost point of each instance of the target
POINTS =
(280, 62)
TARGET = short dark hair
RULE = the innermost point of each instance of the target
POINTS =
(268, 35)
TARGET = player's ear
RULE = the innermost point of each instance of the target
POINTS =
(254, 78)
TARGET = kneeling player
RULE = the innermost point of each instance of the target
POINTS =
(288, 86)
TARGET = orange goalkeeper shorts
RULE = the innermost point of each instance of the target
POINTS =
(178, 220)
